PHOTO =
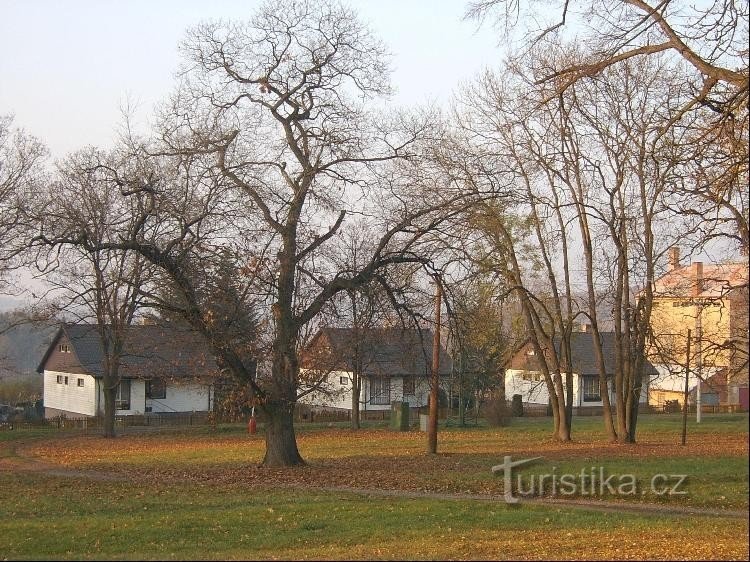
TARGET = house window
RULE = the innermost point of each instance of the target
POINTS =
(81, 382)
(343, 381)
(122, 401)
(408, 385)
(591, 388)
(380, 390)
(64, 348)
(156, 389)
(60, 379)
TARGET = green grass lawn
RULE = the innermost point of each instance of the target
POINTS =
(44, 517)
(201, 494)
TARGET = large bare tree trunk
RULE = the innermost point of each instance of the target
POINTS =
(563, 429)
(281, 442)
(110, 396)
(356, 389)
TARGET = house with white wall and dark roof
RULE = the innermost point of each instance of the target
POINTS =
(163, 369)
(395, 366)
(523, 374)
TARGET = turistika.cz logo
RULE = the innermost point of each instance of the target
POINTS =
(592, 481)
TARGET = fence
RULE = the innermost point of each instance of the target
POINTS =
(302, 414)
(86, 424)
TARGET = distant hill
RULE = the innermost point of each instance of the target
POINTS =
(22, 346)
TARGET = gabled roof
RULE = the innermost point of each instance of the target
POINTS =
(717, 280)
(584, 356)
(150, 351)
(394, 352)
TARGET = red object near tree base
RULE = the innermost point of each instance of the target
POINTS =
(251, 425)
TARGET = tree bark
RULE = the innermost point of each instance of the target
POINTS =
(281, 442)
(110, 396)
(356, 389)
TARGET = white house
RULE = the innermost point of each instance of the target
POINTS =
(162, 370)
(394, 363)
(523, 374)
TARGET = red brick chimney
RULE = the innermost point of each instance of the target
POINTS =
(674, 258)
(698, 275)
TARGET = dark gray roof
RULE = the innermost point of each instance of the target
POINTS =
(383, 351)
(150, 351)
(584, 358)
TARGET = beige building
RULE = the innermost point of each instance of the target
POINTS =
(710, 300)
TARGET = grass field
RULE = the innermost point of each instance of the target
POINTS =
(202, 495)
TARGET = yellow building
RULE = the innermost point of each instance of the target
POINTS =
(712, 302)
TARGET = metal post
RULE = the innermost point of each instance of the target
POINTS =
(432, 426)
(687, 391)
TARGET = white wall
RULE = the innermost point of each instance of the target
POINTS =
(180, 397)
(70, 397)
(187, 397)
(333, 394)
(137, 399)
(534, 391)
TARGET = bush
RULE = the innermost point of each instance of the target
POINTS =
(497, 412)
(20, 389)
(672, 406)
(517, 406)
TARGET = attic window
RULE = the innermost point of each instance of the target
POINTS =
(64, 348)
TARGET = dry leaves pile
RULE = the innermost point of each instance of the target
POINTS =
(363, 459)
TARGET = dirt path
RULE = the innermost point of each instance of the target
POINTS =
(13, 460)
(590, 505)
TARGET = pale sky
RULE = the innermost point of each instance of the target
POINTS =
(67, 67)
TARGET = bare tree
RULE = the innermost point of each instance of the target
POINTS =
(495, 119)
(595, 167)
(86, 207)
(21, 171)
(709, 38)
(615, 162)
(361, 309)
(268, 148)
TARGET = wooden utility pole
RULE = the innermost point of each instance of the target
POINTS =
(432, 425)
(687, 391)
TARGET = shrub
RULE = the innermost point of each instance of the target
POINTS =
(517, 406)
(497, 412)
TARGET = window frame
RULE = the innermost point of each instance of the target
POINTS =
(587, 380)
(81, 383)
(380, 391)
(120, 402)
(150, 391)
(409, 385)
(343, 380)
